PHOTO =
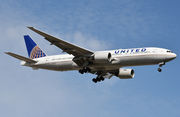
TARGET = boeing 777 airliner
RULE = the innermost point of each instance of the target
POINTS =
(104, 64)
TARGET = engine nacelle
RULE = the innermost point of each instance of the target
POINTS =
(125, 73)
(103, 57)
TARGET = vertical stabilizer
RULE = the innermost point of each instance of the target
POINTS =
(34, 51)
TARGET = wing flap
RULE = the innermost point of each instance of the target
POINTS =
(21, 57)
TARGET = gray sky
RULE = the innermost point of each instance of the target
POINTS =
(95, 25)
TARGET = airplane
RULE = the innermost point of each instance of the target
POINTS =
(104, 64)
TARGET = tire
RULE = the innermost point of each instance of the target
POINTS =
(159, 69)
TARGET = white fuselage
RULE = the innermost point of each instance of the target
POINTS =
(120, 58)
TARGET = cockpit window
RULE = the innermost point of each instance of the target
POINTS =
(169, 51)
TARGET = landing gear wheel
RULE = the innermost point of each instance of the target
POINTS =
(159, 69)
(102, 79)
(84, 70)
(88, 69)
(98, 79)
(81, 71)
(94, 80)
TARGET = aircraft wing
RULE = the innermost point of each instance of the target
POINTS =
(64, 45)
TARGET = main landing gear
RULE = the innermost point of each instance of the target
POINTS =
(160, 65)
(84, 70)
(98, 79)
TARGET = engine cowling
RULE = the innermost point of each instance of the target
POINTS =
(125, 73)
(102, 57)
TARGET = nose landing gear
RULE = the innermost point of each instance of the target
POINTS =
(159, 69)
(160, 65)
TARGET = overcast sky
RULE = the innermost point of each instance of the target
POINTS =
(95, 25)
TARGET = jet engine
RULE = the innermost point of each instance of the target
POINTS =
(102, 57)
(125, 73)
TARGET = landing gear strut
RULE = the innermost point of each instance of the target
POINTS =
(160, 65)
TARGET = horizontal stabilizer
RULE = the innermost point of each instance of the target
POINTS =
(21, 57)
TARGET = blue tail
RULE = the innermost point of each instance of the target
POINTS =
(34, 51)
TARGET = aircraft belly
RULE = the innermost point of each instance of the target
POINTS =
(57, 66)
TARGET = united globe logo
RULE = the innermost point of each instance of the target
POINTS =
(37, 53)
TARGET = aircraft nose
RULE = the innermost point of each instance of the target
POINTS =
(171, 56)
(175, 55)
